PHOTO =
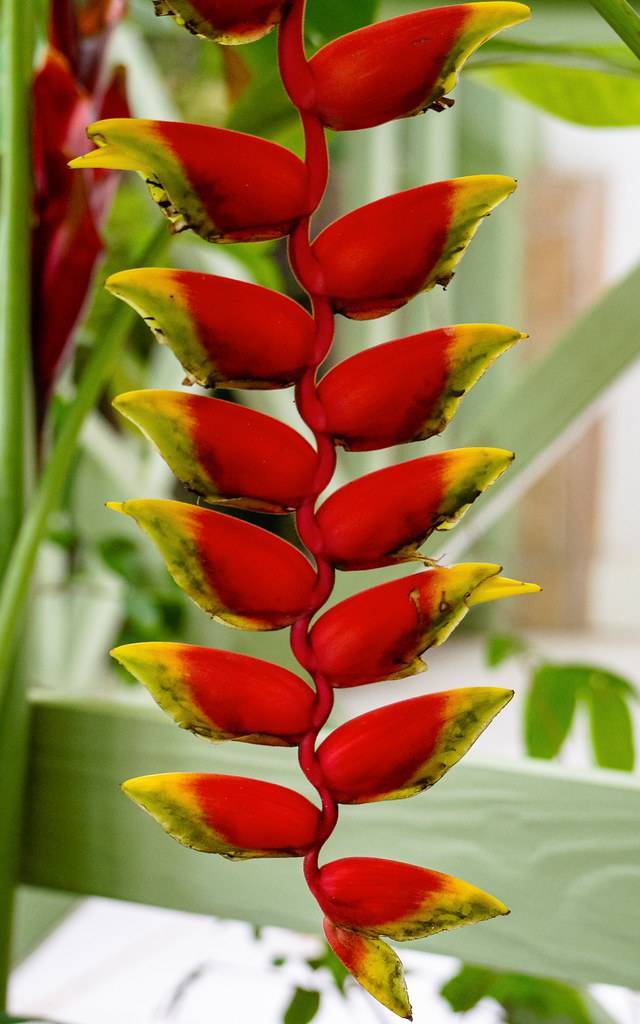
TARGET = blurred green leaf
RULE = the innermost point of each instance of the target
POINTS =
(501, 646)
(611, 726)
(595, 98)
(330, 962)
(328, 19)
(303, 1006)
(467, 987)
(525, 1000)
(551, 703)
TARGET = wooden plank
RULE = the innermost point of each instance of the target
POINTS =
(553, 402)
(563, 850)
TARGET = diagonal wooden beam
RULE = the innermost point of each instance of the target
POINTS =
(553, 402)
(562, 849)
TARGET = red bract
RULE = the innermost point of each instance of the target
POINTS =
(360, 525)
(224, 452)
(235, 817)
(373, 963)
(402, 66)
(410, 389)
(378, 257)
(70, 209)
(401, 749)
(221, 695)
(224, 185)
(381, 633)
(402, 901)
(228, 187)
(224, 21)
(225, 333)
(238, 573)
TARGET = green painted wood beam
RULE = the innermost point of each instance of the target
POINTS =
(552, 402)
(562, 849)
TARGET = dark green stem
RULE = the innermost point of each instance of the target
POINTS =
(624, 20)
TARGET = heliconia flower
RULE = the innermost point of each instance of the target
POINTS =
(373, 963)
(223, 451)
(399, 750)
(224, 185)
(404, 65)
(239, 573)
(379, 256)
(384, 517)
(224, 21)
(236, 817)
(381, 633)
(224, 333)
(402, 901)
(408, 389)
(222, 695)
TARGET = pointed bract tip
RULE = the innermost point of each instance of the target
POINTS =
(116, 506)
(498, 15)
(498, 587)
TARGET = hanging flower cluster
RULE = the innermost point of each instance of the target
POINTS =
(71, 87)
(227, 187)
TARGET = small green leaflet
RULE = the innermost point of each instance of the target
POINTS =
(303, 1006)
(501, 646)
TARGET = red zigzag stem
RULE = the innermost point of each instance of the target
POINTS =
(298, 83)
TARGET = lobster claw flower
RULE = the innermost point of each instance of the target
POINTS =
(224, 21)
(239, 573)
(378, 257)
(401, 901)
(222, 695)
(381, 633)
(374, 965)
(404, 65)
(224, 185)
(236, 817)
(224, 333)
(408, 389)
(223, 451)
(384, 517)
(399, 750)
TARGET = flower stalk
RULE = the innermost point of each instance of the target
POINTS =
(366, 264)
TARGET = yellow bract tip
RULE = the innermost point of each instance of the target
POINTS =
(497, 587)
(116, 506)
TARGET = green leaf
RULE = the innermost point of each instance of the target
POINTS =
(595, 98)
(501, 646)
(328, 19)
(551, 704)
(528, 1000)
(303, 1006)
(467, 987)
(330, 961)
(611, 726)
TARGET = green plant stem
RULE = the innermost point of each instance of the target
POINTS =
(15, 257)
(624, 20)
(99, 366)
(16, 405)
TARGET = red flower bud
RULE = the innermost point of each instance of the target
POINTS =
(402, 901)
(221, 695)
(399, 750)
(223, 451)
(385, 516)
(226, 814)
(225, 333)
(239, 573)
(374, 964)
(409, 389)
(224, 21)
(404, 65)
(379, 256)
(226, 186)
(380, 633)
